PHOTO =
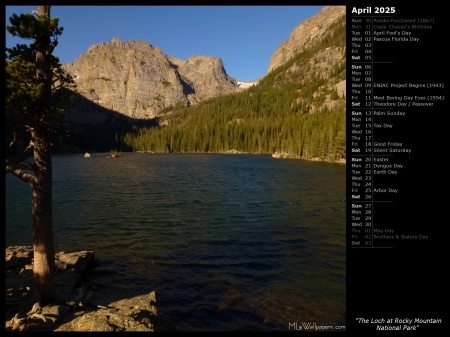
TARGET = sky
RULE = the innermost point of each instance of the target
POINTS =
(245, 37)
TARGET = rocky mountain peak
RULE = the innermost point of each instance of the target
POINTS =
(138, 80)
(118, 43)
(305, 33)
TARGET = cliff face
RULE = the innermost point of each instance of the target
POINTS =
(204, 77)
(138, 80)
(304, 34)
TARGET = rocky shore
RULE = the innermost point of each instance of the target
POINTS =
(81, 303)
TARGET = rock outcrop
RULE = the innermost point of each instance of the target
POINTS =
(81, 306)
(205, 77)
(139, 81)
(304, 34)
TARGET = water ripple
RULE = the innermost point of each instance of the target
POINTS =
(242, 243)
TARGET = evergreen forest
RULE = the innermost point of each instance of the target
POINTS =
(295, 111)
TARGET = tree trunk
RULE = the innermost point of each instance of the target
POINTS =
(43, 245)
(41, 212)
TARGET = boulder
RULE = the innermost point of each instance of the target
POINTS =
(79, 305)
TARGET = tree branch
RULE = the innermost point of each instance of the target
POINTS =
(16, 166)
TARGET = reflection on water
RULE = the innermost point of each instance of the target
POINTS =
(229, 242)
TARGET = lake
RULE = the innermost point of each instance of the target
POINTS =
(228, 242)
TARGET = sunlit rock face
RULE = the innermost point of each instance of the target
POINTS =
(138, 80)
(305, 34)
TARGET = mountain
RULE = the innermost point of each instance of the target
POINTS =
(305, 34)
(297, 110)
(139, 81)
(144, 100)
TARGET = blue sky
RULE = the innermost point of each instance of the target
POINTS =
(245, 37)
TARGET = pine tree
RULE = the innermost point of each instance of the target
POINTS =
(35, 88)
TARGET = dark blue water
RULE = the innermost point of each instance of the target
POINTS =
(228, 242)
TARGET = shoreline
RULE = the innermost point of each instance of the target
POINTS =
(276, 155)
(82, 305)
